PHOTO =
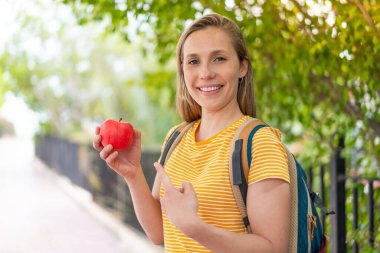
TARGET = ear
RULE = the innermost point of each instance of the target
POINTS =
(243, 68)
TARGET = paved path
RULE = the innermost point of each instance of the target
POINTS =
(41, 212)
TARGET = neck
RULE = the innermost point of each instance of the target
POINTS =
(214, 122)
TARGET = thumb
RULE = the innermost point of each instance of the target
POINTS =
(188, 188)
(136, 134)
(136, 137)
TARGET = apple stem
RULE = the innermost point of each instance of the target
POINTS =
(120, 119)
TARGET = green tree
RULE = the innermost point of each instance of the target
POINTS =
(316, 62)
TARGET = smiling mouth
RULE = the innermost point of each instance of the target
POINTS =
(211, 88)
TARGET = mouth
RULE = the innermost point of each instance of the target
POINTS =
(210, 88)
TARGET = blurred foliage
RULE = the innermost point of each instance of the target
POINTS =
(76, 76)
(316, 62)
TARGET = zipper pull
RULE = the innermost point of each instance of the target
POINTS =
(312, 225)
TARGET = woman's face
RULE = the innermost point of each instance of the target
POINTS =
(211, 69)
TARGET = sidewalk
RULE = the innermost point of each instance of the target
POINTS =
(42, 212)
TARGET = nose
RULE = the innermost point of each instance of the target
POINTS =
(206, 72)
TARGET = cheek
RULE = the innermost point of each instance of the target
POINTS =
(188, 77)
(189, 80)
(232, 75)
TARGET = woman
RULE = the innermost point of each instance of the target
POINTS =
(191, 207)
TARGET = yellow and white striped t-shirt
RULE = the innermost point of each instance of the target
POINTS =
(205, 165)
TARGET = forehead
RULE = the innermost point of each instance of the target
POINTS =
(207, 40)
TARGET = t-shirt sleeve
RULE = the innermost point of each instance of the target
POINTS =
(269, 158)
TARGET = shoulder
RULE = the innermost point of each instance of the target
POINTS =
(179, 127)
(268, 134)
(267, 141)
(269, 157)
(259, 129)
(172, 129)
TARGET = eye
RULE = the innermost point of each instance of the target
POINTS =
(192, 62)
(219, 59)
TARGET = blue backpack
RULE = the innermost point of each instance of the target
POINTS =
(306, 234)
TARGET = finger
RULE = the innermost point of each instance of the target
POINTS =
(97, 143)
(97, 130)
(111, 159)
(136, 138)
(106, 151)
(164, 176)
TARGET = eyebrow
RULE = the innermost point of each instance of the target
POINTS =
(212, 53)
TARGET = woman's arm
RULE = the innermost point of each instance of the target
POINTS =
(127, 163)
(147, 208)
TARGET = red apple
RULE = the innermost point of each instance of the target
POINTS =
(117, 133)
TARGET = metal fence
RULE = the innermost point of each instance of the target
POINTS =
(342, 187)
(82, 165)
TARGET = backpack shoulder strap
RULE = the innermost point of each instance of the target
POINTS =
(247, 136)
(173, 140)
(239, 166)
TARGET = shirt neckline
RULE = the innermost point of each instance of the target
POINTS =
(196, 126)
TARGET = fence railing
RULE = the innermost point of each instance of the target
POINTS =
(338, 191)
(82, 165)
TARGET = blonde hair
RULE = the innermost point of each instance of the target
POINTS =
(188, 109)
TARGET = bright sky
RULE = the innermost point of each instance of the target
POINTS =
(7, 15)
(15, 109)
(17, 112)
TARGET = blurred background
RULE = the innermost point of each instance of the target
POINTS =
(66, 66)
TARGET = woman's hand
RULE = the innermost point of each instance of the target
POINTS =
(179, 205)
(124, 162)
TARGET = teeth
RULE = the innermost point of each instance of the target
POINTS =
(210, 88)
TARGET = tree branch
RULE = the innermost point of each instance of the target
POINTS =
(349, 108)
(354, 110)
(301, 9)
(304, 12)
(367, 17)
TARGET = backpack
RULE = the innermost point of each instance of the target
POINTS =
(306, 234)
